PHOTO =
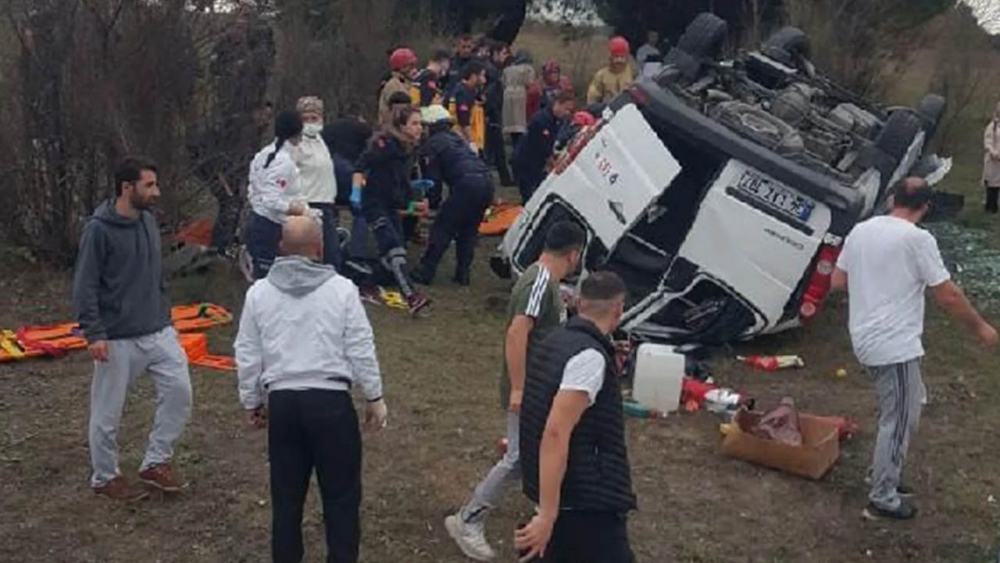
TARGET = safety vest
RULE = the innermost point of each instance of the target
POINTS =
(477, 122)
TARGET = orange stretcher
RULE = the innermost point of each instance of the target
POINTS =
(195, 345)
(56, 340)
(499, 219)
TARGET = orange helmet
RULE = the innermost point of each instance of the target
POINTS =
(618, 46)
(402, 58)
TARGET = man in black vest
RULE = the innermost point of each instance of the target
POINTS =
(573, 457)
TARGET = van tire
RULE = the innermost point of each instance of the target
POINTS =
(787, 46)
(931, 109)
(705, 36)
(898, 134)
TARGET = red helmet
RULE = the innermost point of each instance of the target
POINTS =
(402, 58)
(618, 46)
(583, 119)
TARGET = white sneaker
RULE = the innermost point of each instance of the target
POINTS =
(470, 538)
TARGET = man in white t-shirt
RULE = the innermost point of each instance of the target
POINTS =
(574, 458)
(886, 265)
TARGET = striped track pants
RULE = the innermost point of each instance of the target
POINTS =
(901, 391)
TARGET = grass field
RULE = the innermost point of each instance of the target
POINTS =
(441, 385)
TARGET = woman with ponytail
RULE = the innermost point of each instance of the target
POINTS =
(274, 192)
(382, 189)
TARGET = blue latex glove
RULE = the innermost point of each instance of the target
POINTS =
(422, 185)
(356, 197)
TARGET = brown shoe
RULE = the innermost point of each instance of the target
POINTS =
(120, 489)
(163, 477)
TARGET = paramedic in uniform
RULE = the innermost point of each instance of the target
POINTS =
(300, 389)
(317, 178)
(427, 88)
(886, 265)
(465, 99)
(533, 152)
(446, 158)
(274, 192)
(574, 460)
(381, 189)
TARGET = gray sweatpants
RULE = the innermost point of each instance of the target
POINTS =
(504, 474)
(901, 391)
(162, 356)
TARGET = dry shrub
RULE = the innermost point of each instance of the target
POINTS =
(343, 60)
(85, 82)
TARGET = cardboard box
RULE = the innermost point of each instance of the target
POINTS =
(819, 450)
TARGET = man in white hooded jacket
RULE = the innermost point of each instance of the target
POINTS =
(304, 340)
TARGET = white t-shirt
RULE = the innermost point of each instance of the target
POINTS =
(584, 372)
(889, 264)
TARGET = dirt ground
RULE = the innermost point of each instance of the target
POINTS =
(441, 381)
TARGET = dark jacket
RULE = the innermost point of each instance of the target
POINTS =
(446, 157)
(429, 84)
(597, 476)
(386, 165)
(347, 137)
(493, 104)
(118, 287)
(534, 149)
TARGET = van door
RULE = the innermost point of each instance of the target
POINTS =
(607, 181)
(757, 236)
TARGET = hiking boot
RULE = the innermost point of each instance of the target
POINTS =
(469, 538)
(120, 489)
(418, 305)
(163, 477)
(463, 279)
(905, 511)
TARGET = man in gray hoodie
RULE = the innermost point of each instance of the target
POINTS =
(304, 341)
(121, 303)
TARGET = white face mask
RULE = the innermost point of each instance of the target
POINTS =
(312, 129)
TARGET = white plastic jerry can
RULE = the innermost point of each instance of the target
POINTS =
(659, 377)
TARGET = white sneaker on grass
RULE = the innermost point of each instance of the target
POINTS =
(470, 538)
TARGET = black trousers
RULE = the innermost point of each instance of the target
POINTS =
(992, 199)
(314, 429)
(589, 537)
(496, 152)
(331, 240)
(458, 220)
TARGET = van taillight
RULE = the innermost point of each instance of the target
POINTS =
(819, 283)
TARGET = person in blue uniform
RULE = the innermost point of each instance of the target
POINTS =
(381, 188)
(535, 149)
(464, 97)
(447, 158)
(428, 85)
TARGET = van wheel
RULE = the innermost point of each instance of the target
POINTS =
(931, 109)
(787, 46)
(898, 134)
(705, 36)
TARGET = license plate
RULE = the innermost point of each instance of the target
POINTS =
(775, 195)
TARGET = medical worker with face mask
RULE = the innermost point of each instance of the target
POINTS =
(317, 180)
